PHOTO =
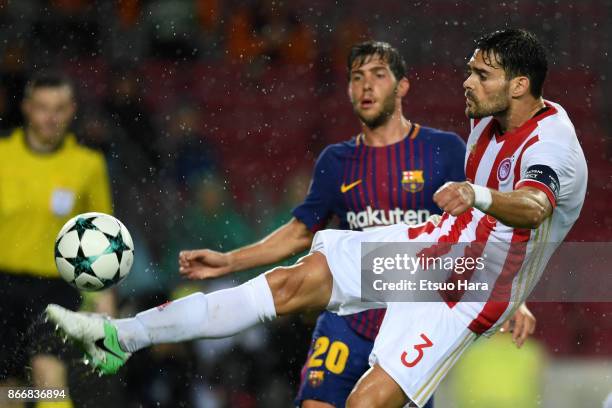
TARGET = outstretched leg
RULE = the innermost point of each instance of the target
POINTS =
(307, 285)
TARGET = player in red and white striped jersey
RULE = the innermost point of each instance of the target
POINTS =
(527, 176)
(526, 185)
(527, 179)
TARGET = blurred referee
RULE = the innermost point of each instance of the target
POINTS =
(45, 179)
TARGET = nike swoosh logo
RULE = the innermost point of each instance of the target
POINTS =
(100, 344)
(344, 188)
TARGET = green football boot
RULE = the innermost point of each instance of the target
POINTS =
(95, 334)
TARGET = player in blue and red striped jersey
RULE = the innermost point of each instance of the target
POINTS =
(385, 175)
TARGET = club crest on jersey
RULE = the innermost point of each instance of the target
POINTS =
(503, 171)
(412, 180)
(316, 377)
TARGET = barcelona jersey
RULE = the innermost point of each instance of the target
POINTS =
(366, 187)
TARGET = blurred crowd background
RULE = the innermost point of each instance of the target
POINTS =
(210, 114)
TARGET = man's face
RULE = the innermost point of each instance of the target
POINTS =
(48, 112)
(373, 91)
(486, 87)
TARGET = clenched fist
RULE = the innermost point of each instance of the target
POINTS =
(455, 198)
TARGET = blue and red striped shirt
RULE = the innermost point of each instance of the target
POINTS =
(367, 187)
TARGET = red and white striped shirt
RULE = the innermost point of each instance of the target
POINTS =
(506, 162)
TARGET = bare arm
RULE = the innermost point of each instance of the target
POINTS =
(526, 207)
(290, 239)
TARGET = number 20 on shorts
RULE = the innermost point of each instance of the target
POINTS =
(337, 355)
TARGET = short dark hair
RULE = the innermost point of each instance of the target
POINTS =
(361, 52)
(518, 52)
(47, 80)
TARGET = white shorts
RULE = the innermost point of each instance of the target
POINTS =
(342, 249)
(417, 343)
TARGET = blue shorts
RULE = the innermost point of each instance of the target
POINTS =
(337, 359)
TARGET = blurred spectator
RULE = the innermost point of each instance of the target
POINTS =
(187, 152)
(209, 220)
(271, 217)
(147, 198)
(285, 38)
(301, 47)
(350, 30)
(69, 28)
(145, 277)
(129, 117)
(212, 219)
(242, 42)
(209, 14)
(128, 40)
(271, 30)
(172, 26)
(95, 132)
(128, 12)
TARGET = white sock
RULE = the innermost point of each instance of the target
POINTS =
(198, 316)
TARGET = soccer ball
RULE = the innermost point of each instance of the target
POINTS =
(93, 251)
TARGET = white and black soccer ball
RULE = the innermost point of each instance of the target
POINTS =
(94, 251)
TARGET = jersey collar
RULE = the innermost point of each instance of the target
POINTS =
(412, 133)
(548, 110)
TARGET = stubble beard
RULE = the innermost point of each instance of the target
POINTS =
(498, 106)
(387, 110)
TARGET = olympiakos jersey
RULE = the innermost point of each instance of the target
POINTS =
(367, 187)
(544, 153)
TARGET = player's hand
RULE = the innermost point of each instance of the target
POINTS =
(455, 198)
(203, 264)
(521, 325)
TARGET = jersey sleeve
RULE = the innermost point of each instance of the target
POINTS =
(455, 156)
(316, 210)
(99, 194)
(547, 166)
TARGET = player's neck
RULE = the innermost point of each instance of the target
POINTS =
(519, 113)
(38, 144)
(395, 130)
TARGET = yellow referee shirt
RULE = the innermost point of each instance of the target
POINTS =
(39, 192)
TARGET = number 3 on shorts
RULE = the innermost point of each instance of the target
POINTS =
(419, 348)
(336, 358)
